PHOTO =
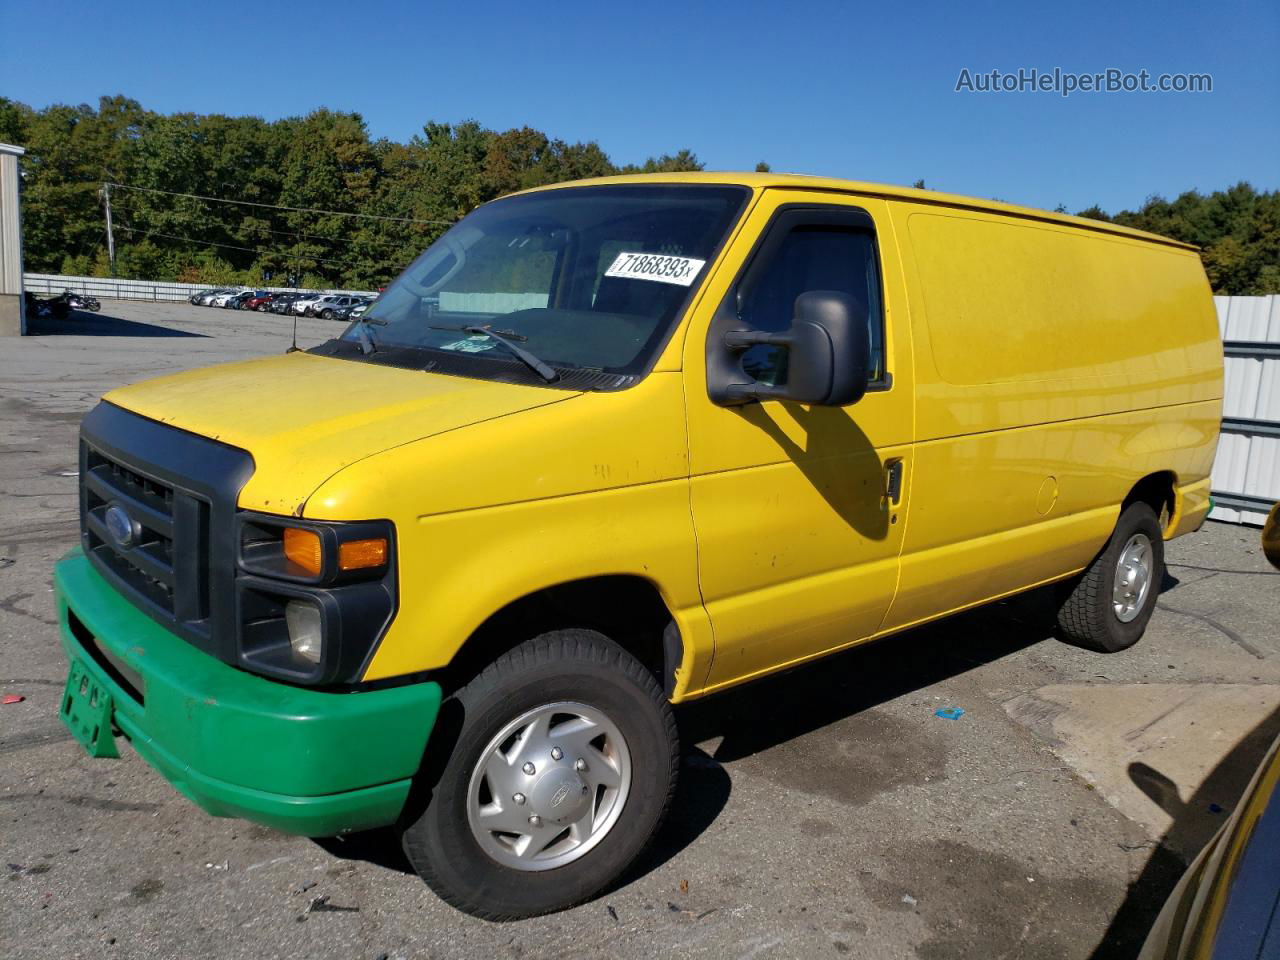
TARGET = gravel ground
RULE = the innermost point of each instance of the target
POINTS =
(824, 812)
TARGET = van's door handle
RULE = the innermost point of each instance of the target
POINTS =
(893, 480)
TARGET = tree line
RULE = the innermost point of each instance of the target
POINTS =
(407, 192)
(168, 165)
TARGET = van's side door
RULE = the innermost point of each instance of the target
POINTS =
(798, 533)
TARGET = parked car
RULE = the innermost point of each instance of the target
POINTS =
(303, 304)
(237, 301)
(260, 302)
(206, 297)
(351, 310)
(1271, 537)
(1224, 907)
(222, 299)
(336, 307)
(283, 302)
(240, 299)
(323, 305)
(696, 453)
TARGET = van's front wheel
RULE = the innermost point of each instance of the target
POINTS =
(1108, 606)
(563, 768)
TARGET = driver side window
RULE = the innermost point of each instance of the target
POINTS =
(811, 258)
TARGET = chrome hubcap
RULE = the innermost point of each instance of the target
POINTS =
(1133, 578)
(549, 786)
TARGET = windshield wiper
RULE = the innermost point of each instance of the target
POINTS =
(509, 334)
(539, 367)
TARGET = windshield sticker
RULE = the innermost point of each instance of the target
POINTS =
(681, 271)
(470, 345)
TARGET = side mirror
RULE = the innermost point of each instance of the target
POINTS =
(828, 352)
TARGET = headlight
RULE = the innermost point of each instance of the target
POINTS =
(313, 598)
(306, 636)
(315, 552)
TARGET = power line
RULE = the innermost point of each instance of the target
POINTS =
(209, 221)
(232, 246)
(279, 206)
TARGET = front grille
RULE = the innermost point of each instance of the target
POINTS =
(146, 564)
(164, 561)
(158, 521)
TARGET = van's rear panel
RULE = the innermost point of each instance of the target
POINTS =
(1056, 366)
(1019, 322)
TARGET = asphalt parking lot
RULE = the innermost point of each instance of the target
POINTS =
(828, 811)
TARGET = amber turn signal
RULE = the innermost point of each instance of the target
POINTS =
(303, 548)
(362, 554)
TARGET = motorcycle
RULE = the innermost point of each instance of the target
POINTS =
(60, 307)
(77, 301)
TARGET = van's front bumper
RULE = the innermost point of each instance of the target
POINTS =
(303, 761)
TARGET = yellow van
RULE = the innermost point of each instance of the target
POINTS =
(606, 447)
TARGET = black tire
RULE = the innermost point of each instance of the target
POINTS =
(326, 315)
(1086, 616)
(572, 665)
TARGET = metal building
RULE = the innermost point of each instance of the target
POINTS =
(12, 315)
(1246, 473)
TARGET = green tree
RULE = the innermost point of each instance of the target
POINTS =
(682, 162)
(409, 193)
(166, 164)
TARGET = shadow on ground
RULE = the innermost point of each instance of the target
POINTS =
(771, 711)
(768, 713)
(1220, 792)
(82, 324)
(702, 793)
(756, 718)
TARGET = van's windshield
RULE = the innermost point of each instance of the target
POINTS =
(588, 280)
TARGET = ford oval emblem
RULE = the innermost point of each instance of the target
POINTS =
(120, 526)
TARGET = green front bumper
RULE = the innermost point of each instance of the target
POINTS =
(303, 761)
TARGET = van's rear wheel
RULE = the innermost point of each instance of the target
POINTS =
(562, 770)
(1108, 606)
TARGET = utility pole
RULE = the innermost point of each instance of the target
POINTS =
(111, 240)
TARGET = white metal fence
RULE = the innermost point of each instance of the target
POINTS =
(1246, 473)
(47, 284)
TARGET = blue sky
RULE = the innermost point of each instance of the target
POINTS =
(845, 89)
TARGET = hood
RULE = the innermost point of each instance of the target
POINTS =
(303, 417)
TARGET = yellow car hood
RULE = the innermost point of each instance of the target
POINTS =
(304, 417)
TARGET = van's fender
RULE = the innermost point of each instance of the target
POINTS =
(488, 514)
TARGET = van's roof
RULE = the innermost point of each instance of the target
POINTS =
(804, 182)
